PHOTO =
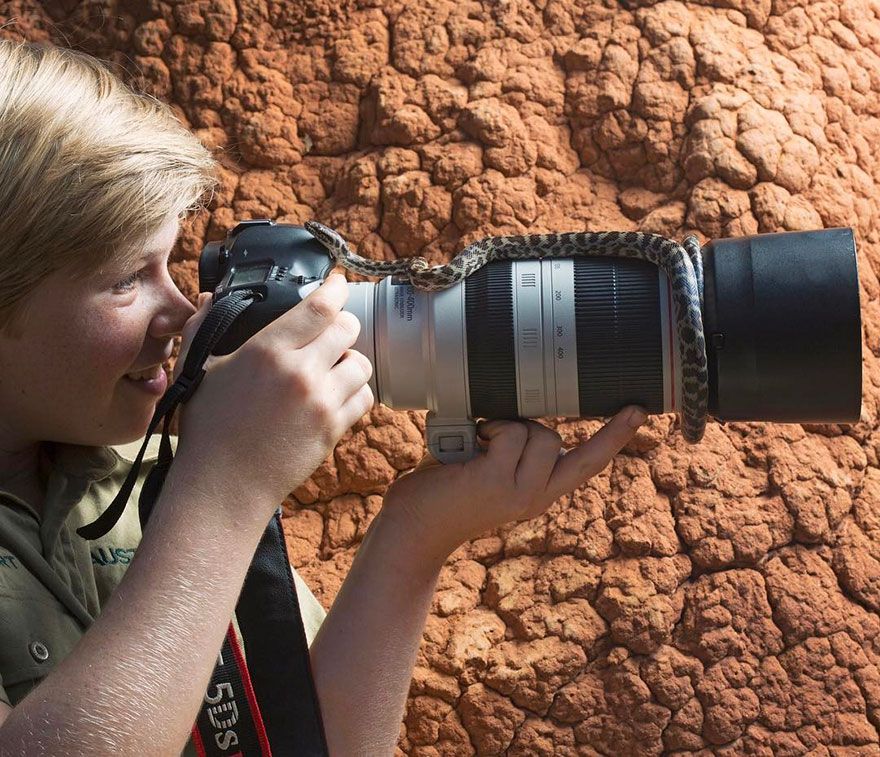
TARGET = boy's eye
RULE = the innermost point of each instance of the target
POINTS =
(128, 282)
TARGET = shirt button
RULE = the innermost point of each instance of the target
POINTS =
(39, 651)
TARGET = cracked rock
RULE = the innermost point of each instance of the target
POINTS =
(711, 599)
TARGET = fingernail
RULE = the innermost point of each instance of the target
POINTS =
(637, 417)
(482, 425)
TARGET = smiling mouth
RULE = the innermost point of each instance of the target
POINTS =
(145, 375)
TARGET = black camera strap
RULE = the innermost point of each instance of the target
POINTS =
(262, 698)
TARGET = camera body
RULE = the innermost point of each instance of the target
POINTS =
(281, 262)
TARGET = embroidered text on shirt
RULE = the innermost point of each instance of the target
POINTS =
(111, 556)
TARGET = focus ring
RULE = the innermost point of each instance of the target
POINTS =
(491, 354)
(619, 340)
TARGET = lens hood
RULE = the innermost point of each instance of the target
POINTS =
(783, 327)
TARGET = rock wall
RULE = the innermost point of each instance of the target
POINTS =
(717, 599)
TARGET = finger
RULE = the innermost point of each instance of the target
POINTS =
(190, 329)
(309, 318)
(348, 376)
(538, 458)
(507, 440)
(356, 407)
(328, 348)
(586, 460)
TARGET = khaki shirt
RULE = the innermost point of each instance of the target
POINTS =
(53, 583)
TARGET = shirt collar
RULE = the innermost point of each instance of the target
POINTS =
(74, 468)
(76, 460)
(68, 471)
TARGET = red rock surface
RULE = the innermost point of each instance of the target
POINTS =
(717, 599)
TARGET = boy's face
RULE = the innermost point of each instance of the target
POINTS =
(65, 379)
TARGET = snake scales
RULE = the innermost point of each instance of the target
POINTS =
(683, 264)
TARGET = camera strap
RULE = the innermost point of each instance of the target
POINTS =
(261, 699)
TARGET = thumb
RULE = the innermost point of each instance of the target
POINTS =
(591, 457)
(190, 329)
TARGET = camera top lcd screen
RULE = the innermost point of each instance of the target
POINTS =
(251, 275)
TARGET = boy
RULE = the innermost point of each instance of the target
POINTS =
(94, 180)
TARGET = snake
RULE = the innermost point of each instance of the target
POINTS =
(683, 264)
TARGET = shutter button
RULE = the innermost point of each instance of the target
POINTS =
(39, 651)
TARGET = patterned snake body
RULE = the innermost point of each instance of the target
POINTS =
(683, 264)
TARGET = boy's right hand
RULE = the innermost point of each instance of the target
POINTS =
(269, 414)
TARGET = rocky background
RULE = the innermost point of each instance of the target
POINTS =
(716, 599)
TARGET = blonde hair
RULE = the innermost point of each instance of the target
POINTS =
(89, 169)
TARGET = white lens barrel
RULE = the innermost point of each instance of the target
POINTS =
(361, 303)
(417, 342)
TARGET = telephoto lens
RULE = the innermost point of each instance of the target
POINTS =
(576, 324)
(584, 336)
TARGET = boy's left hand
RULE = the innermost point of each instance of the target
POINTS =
(519, 472)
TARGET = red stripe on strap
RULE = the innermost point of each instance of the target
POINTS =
(256, 715)
(197, 741)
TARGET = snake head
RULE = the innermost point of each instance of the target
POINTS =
(330, 238)
(419, 264)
